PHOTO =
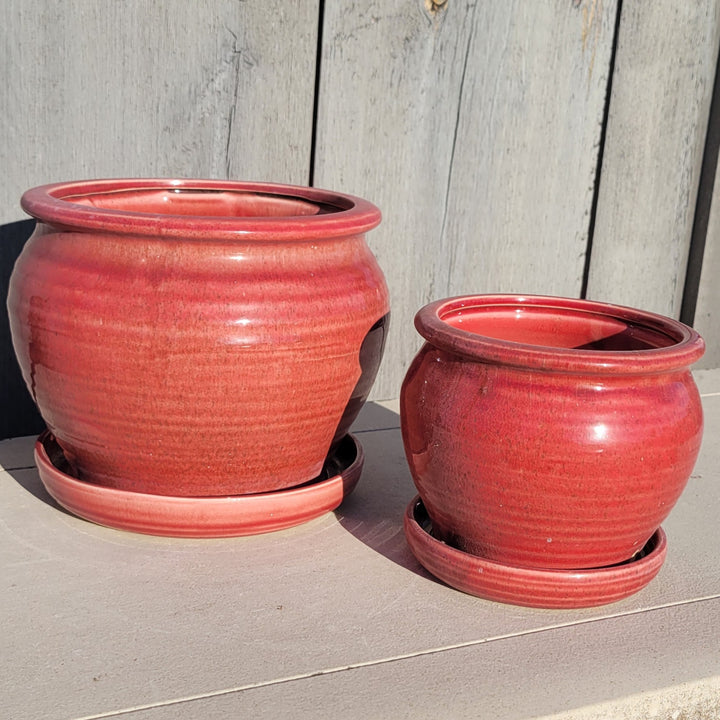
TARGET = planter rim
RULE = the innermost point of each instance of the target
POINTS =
(348, 215)
(687, 348)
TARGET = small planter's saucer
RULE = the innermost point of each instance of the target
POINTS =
(201, 517)
(530, 586)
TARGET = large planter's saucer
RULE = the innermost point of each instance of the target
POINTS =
(200, 517)
(531, 587)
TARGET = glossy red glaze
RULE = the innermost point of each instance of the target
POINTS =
(197, 337)
(550, 432)
(531, 587)
(200, 517)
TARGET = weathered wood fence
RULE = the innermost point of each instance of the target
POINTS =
(565, 147)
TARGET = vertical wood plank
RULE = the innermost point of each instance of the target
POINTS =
(143, 88)
(707, 310)
(524, 171)
(475, 127)
(390, 84)
(661, 93)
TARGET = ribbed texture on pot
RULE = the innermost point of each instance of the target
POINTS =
(547, 468)
(193, 367)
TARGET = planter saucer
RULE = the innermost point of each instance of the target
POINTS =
(200, 517)
(531, 587)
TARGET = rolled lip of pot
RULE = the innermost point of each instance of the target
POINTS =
(78, 206)
(685, 345)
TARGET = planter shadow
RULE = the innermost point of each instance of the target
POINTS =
(29, 479)
(374, 512)
(18, 414)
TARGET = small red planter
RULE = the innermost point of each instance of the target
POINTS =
(547, 432)
(197, 337)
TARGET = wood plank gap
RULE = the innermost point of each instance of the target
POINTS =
(451, 163)
(384, 661)
(316, 98)
(703, 206)
(601, 151)
(236, 58)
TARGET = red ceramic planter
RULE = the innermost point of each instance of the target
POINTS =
(197, 337)
(547, 432)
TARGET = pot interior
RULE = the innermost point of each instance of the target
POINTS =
(203, 202)
(557, 327)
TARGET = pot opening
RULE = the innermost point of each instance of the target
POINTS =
(204, 202)
(557, 327)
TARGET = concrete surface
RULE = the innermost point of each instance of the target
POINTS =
(336, 618)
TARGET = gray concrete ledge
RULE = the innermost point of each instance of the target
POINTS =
(336, 618)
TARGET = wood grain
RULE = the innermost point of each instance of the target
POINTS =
(141, 88)
(661, 93)
(475, 127)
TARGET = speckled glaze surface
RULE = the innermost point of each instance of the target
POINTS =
(201, 517)
(197, 337)
(550, 432)
(531, 587)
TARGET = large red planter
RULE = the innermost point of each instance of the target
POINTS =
(547, 432)
(197, 337)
